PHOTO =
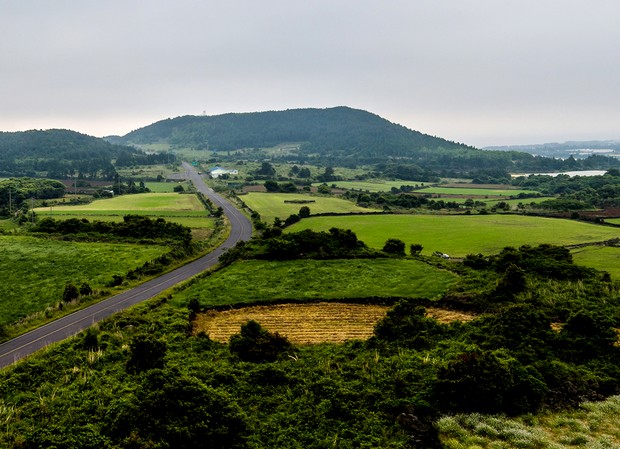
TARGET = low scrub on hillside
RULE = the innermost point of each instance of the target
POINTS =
(144, 379)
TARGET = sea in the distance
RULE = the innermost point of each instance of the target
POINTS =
(569, 173)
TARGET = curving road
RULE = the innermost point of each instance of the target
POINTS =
(26, 344)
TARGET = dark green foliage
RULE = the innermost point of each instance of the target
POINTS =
(255, 344)
(70, 293)
(285, 187)
(147, 353)
(132, 227)
(511, 283)
(415, 249)
(90, 339)
(304, 211)
(178, 188)
(63, 153)
(16, 193)
(588, 335)
(266, 170)
(489, 382)
(60, 437)
(575, 193)
(170, 410)
(406, 324)
(521, 328)
(394, 246)
(194, 305)
(555, 262)
(85, 289)
(307, 244)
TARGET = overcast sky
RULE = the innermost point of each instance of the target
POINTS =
(481, 72)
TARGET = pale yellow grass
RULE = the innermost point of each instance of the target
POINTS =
(307, 323)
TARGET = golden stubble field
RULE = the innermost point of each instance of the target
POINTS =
(312, 323)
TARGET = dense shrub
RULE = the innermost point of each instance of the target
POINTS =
(255, 344)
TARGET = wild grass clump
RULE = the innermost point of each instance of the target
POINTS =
(593, 426)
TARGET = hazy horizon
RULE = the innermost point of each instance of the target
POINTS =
(482, 73)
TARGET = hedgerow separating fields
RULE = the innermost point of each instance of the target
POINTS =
(459, 235)
(272, 205)
(372, 186)
(164, 187)
(472, 191)
(254, 281)
(34, 271)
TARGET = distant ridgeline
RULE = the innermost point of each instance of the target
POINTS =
(59, 153)
(342, 136)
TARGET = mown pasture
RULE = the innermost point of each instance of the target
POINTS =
(604, 258)
(184, 209)
(142, 202)
(272, 205)
(253, 281)
(459, 235)
(34, 271)
(165, 187)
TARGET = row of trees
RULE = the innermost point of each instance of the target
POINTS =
(15, 193)
(136, 227)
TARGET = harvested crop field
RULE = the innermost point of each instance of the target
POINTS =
(306, 323)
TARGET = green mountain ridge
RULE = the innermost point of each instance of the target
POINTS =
(337, 136)
(60, 153)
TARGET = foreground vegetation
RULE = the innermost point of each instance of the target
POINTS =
(36, 270)
(144, 379)
(594, 425)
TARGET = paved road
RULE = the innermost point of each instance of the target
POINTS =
(24, 345)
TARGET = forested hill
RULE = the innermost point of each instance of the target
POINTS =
(338, 131)
(335, 136)
(57, 153)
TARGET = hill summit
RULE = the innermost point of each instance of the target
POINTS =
(339, 132)
(335, 136)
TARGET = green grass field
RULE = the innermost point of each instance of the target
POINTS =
(34, 271)
(372, 186)
(252, 280)
(146, 171)
(184, 209)
(138, 203)
(272, 205)
(164, 187)
(613, 220)
(459, 235)
(604, 258)
(468, 191)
